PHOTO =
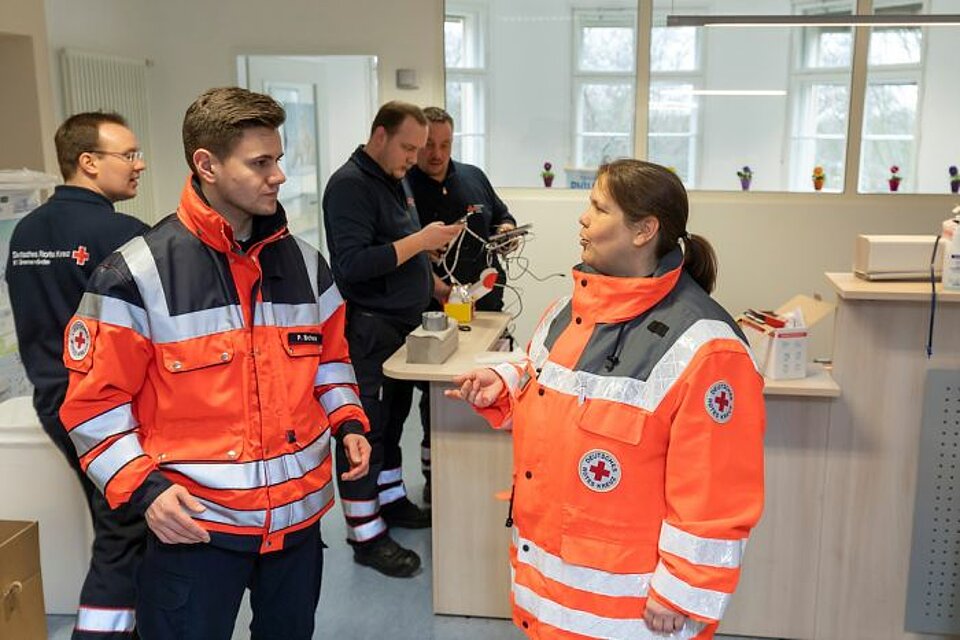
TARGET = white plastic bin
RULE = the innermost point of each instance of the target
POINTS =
(37, 484)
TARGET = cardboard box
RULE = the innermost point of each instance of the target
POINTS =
(21, 587)
(781, 353)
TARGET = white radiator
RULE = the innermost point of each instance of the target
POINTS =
(99, 82)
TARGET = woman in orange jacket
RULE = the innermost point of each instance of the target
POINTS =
(638, 425)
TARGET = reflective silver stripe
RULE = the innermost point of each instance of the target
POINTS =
(510, 375)
(302, 510)
(648, 394)
(338, 397)
(703, 602)
(114, 311)
(102, 620)
(386, 476)
(164, 327)
(89, 434)
(392, 494)
(359, 508)
(583, 578)
(538, 351)
(329, 301)
(224, 515)
(711, 552)
(257, 473)
(286, 315)
(311, 262)
(368, 531)
(335, 373)
(113, 458)
(591, 625)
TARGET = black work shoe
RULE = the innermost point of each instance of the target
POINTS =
(387, 557)
(403, 513)
(426, 493)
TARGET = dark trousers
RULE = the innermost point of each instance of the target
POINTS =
(108, 595)
(493, 301)
(193, 591)
(374, 338)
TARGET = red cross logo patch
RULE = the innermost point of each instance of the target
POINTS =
(719, 401)
(80, 255)
(599, 470)
(78, 340)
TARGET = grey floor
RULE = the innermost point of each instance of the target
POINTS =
(357, 603)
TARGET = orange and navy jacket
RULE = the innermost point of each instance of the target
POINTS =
(638, 458)
(225, 371)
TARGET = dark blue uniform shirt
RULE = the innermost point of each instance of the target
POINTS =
(365, 211)
(53, 252)
(464, 188)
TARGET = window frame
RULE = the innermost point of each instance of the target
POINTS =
(474, 19)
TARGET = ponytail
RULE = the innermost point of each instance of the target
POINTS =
(700, 261)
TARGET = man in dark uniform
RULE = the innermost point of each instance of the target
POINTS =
(53, 252)
(378, 252)
(446, 191)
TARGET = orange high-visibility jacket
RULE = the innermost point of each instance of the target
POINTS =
(223, 371)
(638, 458)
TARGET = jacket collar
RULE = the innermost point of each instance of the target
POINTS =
(81, 194)
(368, 165)
(203, 221)
(609, 299)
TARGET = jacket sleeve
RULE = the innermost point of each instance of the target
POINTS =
(335, 386)
(107, 350)
(352, 226)
(714, 481)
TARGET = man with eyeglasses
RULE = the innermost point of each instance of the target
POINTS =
(53, 252)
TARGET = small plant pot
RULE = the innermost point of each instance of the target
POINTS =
(547, 181)
(818, 183)
(894, 185)
(954, 187)
(745, 184)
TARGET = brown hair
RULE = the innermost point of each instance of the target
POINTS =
(392, 114)
(217, 119)
(438, 116)
(644, 189)
(80, 133)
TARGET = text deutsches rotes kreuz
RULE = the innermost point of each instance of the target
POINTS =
(45, 257)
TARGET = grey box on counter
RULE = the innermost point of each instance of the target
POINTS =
(432, 347)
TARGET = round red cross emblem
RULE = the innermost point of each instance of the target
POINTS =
(78, 340)
(599, 470)
(719, 401)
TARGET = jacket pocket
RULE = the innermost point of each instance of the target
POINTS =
(200, 353)
(613, 420)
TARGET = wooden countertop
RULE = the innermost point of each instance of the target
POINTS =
(850, 287)
(485, 329)
(818, 384)
(488, 326)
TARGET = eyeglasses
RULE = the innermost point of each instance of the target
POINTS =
(128, 156)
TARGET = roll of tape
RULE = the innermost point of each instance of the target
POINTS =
(434, 321)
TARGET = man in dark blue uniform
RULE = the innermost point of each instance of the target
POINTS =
(446, 191)
(53, 252)
(378, 251)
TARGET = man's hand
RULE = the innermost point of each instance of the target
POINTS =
(357, 450)
(441, 290)
(171, 523)
(437, 235)
(480, 387)
(512, 245)
(661, 619)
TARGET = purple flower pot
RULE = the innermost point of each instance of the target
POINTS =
(954, 187)
(547, 181)
(745, 184)
(894, 185)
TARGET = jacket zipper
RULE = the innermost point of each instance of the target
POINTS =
(509, 522)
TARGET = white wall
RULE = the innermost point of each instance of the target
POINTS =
(194, 45)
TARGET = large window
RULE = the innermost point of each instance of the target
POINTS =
(890, 121)
(464, 52)
(604, 85)
(675, 73)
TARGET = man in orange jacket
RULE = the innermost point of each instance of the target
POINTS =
(208, 371)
